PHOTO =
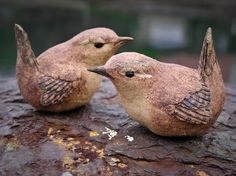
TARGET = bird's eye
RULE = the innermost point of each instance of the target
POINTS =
(129, 74)
(98, 45)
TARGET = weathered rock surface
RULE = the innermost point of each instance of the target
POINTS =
(100, 139)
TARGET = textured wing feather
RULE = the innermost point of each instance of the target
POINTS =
(54, 90)
(195, 108)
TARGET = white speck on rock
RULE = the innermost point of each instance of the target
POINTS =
(66, 174)
(129, 138)
(110, 133)
(113, 161)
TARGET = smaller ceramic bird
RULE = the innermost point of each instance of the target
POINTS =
(169, 99)
(58, 80)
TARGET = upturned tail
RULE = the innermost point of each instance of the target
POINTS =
(208, 64)
(210, 73)
(25, 54)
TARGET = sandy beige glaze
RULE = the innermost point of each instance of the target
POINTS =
(58, 79)
(169, 99)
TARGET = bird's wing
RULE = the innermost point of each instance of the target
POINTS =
(194, 108)
(55, 90)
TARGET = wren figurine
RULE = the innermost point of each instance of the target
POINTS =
(169, 99)
(58, 80)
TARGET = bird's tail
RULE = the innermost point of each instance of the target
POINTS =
(210, 73)
(25, 54)
(208, 64)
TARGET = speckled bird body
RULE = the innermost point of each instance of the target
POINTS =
(58, 80)
(169, 99)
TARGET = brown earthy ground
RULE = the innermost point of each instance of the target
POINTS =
(100, 139)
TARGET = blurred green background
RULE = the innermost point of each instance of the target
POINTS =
(171, 31)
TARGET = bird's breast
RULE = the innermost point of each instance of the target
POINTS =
(138, 108)
(88, 85)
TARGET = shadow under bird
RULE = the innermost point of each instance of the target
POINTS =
(169, 99)
(58, 80)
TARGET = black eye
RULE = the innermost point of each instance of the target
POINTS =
(129, 74)
(98, 45)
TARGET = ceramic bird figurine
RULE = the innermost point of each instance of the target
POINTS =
(169, 99)
(58, 80)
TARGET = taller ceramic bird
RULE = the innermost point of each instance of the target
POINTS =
(58, 80)
(169, 99)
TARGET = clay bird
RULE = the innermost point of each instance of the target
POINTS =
(58, 80)
(169, 99)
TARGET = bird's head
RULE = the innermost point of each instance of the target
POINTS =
(97, 45)
(128, 70)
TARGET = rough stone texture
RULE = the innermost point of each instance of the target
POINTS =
(100, 139)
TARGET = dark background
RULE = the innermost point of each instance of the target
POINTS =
(171, 31)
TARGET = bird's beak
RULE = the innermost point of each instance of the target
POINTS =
(123, 40)
(100, 70)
